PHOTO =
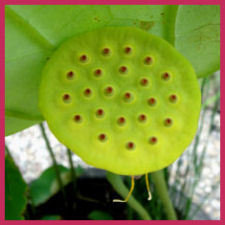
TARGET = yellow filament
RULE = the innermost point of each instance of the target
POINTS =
(148, 187)
(129, 194)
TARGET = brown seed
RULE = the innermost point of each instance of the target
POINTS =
(168, 122)
(173, 98)
(77, 118)
(102, 137)
(166, 76)
(148, 60)
(70, 75)
(121, 120)
(99, 112)
(144, 82)
(127, 95)
(142, 118)
(109, 90)
(66, 97)
(98, 73)
(87, 92)
(123, 69)
(83, 58)
(153, 140)
(127, 50)
(106, 51)
(151, 101)
(130, 145)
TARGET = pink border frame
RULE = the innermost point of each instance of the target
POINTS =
(104, 2)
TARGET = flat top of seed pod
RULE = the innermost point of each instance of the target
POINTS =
(122, 99)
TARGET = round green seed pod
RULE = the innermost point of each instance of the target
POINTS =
(122, 99)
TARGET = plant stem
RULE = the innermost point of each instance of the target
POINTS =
(121, 189)
(72, 169)
(55, 165)
(72, 172)
(161, 188)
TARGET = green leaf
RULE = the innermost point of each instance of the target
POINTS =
(99, 215)
(156, 19)
(14, 124)
(15, 191)
(198, 37)
(46, 185)
(34, 31)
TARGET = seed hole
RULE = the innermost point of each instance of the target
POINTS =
(144, 82)
(106, 51)
(130, 145)
(153, 140)
(98, 72)
(70, 75)
(121, 121)
(87, 92)
(66, 98)
(102, 137)
(142, 118)
(152, 101)
(127, 50)
(127, 96)
(166, 76)
(83, 58)
(168, 122)
(173, 98)
(148, 60)
(123, 69)
(77, 118)
(100, 112)
(109, 90)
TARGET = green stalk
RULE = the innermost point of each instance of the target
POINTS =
(121, 189)
(73, 176)
(161, 189)
(55, 165)
(72, 169)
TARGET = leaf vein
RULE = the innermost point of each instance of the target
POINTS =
(31, 30)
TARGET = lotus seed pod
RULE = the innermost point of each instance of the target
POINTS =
(122, 99)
